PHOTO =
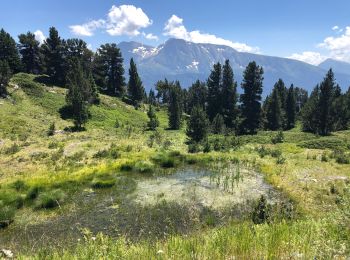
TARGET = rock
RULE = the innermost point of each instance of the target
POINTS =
(6, 253)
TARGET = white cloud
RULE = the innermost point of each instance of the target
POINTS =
(339, 47)
(335, 28)
(314, 58)
(121, 20)
(126, 20)
(150, 36)
(174, 27)
(39, 36)
(87, 29)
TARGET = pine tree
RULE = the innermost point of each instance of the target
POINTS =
(197, 95)
(327, 88)
(229, 96)
(274, 111)
(175, 107)
(152, 98)
(218, 124)
(77, 85)
(310, 112)
(53, 51)
(93, 97)
(9, 52)
(214, 92)
(136, 91)
(5, 75)
(290, 108)
(109, 70)
(153, 122)
(163, 90)
(197, 127)
(29, 49)
(250, 99)
(77, 49)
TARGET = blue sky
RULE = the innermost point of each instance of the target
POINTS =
(308, 30)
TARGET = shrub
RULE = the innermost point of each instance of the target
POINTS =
(280, 160)
(262, 151)
(49, 199)
(261, 212)
(278, 138)
(127, 166)
(207, 147)
(12, 149)
(51, 130)
(193, 148)
(33, 192)
(7, 214)
(19, 185)
(340, 156)
(164, 160)
(144, 167)
(276, 153)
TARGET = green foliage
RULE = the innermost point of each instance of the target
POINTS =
(262, 211)
(274, 114)
(112, 152)
(218, 125)
(102, 182)
(153, 122)
(197, 126)
(14, 148)
(197, 96)
(29, 49)
(8, 52)
(291, 108)
(52, 129)
(251, 97)
(49, 199)
(214, 91)
(5, 75)
(109, 71)
(323, 143)
(175, 107)
(278, 138)
(193, 148)
(7, 214)
(144, 167)
(136, 90)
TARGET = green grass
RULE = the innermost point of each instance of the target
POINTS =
(40, 172)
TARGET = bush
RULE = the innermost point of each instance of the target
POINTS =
(144, 167)
(340, 156)
(33, 192)
(51, 130)
(207, 147)
(12, 149)
(111, 152)
(278, 138)
(193, 148)
(261, 212)
(19, 185)
(280, 160)
(127, 166)
(164, 160)
(7, 214)
(49, 199)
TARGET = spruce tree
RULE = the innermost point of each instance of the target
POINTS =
(77, 85)
(310, 113)
(214, 92)
(152, 98)
(175, 106)
(53, 51)
(109, 70)
(29, 49)
(327, 88)
(251, 97)
(197, 95)
(218, 124)
(229, 96)
(197, 126)
(5, 75)
(136, 91)
(153, 122)
(163, 90)
(9, 52)
(290, 108)
(274, 111)
(77, 49)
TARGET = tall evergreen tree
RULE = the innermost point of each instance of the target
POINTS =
(310, 114)
(301, 96)
(218, 124)
(152, 97)
(229, 96)
(29, 49)
(109, 70)
(77, 49)
(197, 95)
(136, 91)
(163, 90)
(214, 92)
(175, 106)
(77, 85)
(5, 75)
(197, 126)
(53, 51)
(251, 97)
(274, 111)
(327, 88)
(9, 52)
(153, 122)
(290, 108)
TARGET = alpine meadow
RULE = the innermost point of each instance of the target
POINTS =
(132, 134)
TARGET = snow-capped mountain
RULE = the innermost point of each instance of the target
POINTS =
(187, 61)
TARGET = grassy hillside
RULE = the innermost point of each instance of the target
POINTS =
(42, 178)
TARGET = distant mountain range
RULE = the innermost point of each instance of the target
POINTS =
(186, 61)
